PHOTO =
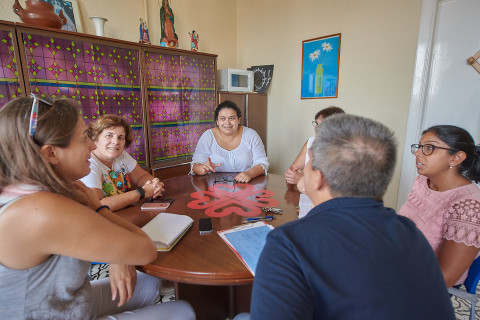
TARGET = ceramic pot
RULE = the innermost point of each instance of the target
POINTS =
(39, 13)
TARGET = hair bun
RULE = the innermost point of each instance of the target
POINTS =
(477, 150)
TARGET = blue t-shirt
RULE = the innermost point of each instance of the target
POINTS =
(349, 258)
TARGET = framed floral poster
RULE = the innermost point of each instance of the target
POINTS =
(320, 66)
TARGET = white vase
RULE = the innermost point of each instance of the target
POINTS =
(99, 23)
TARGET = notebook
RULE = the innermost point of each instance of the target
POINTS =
(166, 229)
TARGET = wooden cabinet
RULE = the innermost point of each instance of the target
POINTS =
(254, 110)
(11, 85)
(167, 96)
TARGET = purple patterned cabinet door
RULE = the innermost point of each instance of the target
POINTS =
(103, 79)
(181, 101)
(9, 82)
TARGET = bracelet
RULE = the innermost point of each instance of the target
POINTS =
(141, 192)
(102, 207)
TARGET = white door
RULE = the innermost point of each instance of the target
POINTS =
(446, 90)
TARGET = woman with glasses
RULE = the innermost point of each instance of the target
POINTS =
(295, 172)
(230, 147)
(52, 225)
(444, 203)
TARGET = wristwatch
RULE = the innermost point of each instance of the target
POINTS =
(141, 192)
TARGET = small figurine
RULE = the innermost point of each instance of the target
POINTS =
(194, 37)
(144, 37)
(167, 19)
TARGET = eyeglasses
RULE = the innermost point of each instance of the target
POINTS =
(427, 149)
(225, 179)
(34, 113)
(314, 123)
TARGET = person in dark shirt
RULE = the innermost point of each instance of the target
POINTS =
(350, 257)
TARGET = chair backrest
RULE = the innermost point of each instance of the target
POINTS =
(473, 276)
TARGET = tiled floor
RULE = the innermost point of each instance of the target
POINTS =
(461, 306)
(99, 271)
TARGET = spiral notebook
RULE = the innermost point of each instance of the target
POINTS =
(166, 229)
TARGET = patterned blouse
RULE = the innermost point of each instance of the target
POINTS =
(448, 215)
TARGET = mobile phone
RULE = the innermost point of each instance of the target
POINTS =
(162, 200)
(205, 225)
(153, 206)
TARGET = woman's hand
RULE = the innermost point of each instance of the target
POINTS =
(209, 166)
(251, 173)
(293, 175)
(122, 282)
(159, 187)
(90, 194)
(153, 188)
(243, 177)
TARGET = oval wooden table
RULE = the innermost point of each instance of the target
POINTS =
(203, 266)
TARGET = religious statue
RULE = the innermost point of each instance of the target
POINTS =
(144, 37)
(169, 38)
(194, 37)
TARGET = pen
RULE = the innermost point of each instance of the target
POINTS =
(260, 218)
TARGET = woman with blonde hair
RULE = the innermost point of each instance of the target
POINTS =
(51, 224)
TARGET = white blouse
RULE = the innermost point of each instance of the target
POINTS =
(249, 153)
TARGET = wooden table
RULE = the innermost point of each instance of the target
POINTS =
(206, 271)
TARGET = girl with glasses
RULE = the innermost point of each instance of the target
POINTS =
(52, 225)
(444, 203)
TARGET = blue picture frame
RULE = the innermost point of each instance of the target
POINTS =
(320, 67)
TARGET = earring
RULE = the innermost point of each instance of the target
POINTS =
(451, 165)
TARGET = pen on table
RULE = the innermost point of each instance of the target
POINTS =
(260, 218)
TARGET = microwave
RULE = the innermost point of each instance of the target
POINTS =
(235, 80)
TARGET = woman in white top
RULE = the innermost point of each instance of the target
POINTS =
(115, 176)
(119, 181)
(295, 172)
(230, 147)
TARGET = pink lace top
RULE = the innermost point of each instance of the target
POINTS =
(450, 215)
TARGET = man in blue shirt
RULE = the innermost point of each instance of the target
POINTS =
(350, 257)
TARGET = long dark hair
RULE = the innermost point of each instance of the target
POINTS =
(459, 139)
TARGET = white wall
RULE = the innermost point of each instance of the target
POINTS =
(377, 58)
(445, 88)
